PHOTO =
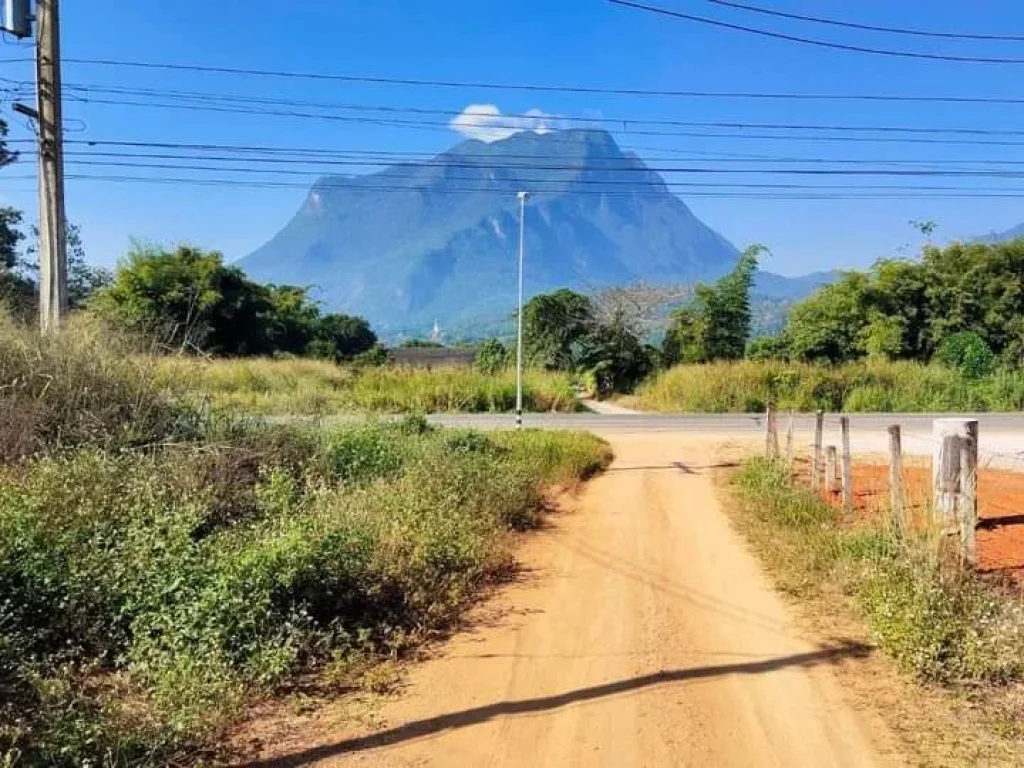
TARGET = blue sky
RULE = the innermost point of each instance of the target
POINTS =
(568, 42)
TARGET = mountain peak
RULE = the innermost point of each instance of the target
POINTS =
(432, 240)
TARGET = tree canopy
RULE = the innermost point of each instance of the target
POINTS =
(715, 325)
(191, 300)
(908, 309)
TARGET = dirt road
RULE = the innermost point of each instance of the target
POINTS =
(642, 634)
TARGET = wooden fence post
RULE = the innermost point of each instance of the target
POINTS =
(844, 423)
(816, 466)
(789, 440)
(969, 493)
(771, 433)
(831, 469)
(896, 477)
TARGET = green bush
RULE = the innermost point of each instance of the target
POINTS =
(940, 623)
(967, 352)
(143, 604)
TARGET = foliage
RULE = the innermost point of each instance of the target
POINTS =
(616, 358)
(78, 386)
(554, 328)
(422, 344)
(967, 352)
(880, 386)
(768, 348)
(716, 324)
(492, 357)
(193, 301)
(904, 309)
(312, 387)
(562, 331)
(939, 622)
(158, 572)
(132, 628)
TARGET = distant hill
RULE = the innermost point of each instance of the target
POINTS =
(779, 287)
(437, 240)
(999, 237)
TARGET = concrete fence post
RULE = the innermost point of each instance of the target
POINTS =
(948, 436)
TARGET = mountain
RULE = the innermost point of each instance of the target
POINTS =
(999, 237)
(420, 242)
(770, 285)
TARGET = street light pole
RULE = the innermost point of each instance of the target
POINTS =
(519, 334)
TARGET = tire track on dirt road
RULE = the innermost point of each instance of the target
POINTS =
(644, 634)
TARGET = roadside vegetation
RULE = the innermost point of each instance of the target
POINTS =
(861, 386)
(267, 386)
(940, 333)
(161, 568)
(941, 623)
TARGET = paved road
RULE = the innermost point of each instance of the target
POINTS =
(1001, 434)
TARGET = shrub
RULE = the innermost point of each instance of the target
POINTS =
(967, 352)
(871, 385)
(147, 596)
(79, 386)
(940, 623)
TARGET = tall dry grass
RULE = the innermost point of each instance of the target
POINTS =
(268, 386)
(868, 386)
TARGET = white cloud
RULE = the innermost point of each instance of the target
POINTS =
(486, 123)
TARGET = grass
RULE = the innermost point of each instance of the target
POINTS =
(159, 572)
(868, 386)
(267, 386)
(943, 625)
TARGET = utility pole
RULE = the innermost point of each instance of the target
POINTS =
(519, 333)
(53, 250)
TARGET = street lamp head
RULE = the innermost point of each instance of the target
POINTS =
(523, 195)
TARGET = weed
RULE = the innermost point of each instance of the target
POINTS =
(939, 622)
(747, 386)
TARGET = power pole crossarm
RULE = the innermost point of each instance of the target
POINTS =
(53, 269)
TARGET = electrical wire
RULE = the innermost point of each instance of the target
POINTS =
(814, 172)
(513, 120)
(534, 87)
(866, 27)
(812, 41)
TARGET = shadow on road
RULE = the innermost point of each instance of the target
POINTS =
(431, 726)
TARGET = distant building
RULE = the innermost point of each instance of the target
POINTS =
(433, 357)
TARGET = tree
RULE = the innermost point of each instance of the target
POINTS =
(637, 306)
(616, 357)
(190, 300)
(829, 325)
(492, 356)
(554, 326)
(15, 289)
(292, 319)
(345, 335)
(716, 324)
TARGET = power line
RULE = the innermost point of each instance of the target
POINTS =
(812, 41)
(710, 134)
(513, 120)
(534, 87)
(374, 156)
(128, 161)
(867, 27)
(328, 185)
